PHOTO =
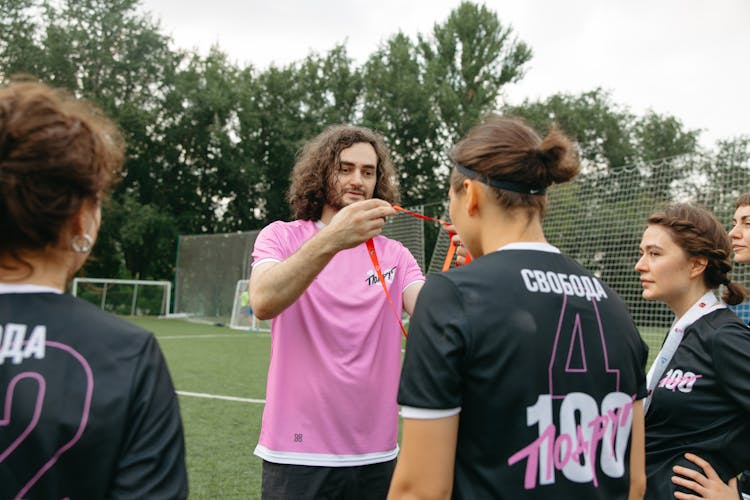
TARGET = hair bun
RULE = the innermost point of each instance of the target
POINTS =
(538, 155)
(550, 156)
(557, 154)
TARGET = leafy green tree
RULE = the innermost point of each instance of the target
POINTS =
(658, 137)
(616, 146)
(396, 103)
(280, 134)
(293, 104)
(601, 128)
(200, 137)
(19, 50)
(211, 145)
(715, 179)
(424, 96)
(106, 52)
(662, 136)
(329, 87)
(242, 189)
(469, 58)
(136, 240)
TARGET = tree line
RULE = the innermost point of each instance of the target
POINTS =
(211, 143)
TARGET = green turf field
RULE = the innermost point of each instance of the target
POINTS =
(654, 338)
(221, 434)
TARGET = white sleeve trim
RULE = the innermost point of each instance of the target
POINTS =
(262, 261)
(428, 413)
(413, 283)
(745, 496)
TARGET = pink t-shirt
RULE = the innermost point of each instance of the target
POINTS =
(335, 355)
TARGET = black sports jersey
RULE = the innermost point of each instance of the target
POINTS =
(702, 403)
(89, 407)
(543, 361)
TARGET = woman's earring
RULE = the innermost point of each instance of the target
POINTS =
(87, 243)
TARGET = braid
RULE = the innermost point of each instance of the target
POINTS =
(734, 293)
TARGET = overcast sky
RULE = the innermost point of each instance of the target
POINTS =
(687, 58)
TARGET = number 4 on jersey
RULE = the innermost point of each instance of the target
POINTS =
(580, 356)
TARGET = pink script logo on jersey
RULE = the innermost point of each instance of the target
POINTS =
(585, 435)
(677, 380)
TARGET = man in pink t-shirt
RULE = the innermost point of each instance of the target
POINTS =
(330, 423)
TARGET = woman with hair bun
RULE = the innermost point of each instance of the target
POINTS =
(89, 407)
(524, 373)
(699, 395)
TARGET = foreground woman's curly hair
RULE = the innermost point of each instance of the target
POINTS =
(314, 173)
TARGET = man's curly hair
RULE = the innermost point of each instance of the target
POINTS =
(313, 174)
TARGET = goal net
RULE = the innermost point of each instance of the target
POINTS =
(599, 220)
(242, 314)
(409, 231)
(440, 250)
(125, 297)
(208, 267)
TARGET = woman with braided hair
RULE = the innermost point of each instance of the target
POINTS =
(699, 395)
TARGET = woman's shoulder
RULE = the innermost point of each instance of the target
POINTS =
(723, 318)
(66, 323)
(722, 326)
(96, 321)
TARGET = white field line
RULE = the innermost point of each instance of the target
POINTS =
(216, 396)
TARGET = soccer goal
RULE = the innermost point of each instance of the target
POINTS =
(242, 314)
(126, 297)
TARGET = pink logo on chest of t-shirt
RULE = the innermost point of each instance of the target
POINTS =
(677, 380)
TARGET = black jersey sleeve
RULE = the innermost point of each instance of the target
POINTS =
(432, 374)
(640, 359)
(745, 483)
(152, 461)
(731, 354)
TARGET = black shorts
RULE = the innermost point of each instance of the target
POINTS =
(300, 482)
